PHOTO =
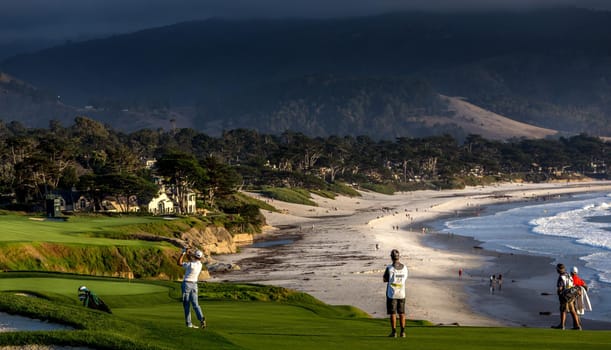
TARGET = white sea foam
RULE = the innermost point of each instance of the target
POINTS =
(575, 224)
(599, 261)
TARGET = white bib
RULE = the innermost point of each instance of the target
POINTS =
(396, 282)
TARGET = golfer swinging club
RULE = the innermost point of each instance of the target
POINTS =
(189, 286)
(395, 276)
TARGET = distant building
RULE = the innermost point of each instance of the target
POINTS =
(74, 201)
(166, 202)
(161, 205)
(190, 202)
(149, 163)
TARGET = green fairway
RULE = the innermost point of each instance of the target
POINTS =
(148, 315)
(77, 230)
(68, 287)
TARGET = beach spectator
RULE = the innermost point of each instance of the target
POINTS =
(492, 284)
(192, 268)
(460, 273)
(563, 283)
(395, 276)
(582, 302)
(499, 282)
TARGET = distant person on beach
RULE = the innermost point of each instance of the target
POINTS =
(492, 284)
(582, 302)
(567, 303)
(395, 276)
(460, 274)
(499, 282)
(192, 268)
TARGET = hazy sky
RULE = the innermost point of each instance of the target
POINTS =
(20, 19)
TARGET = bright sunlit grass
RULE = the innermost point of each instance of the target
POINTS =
(77, 230)
(148, 315)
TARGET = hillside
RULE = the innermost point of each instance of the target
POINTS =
(479, 121)
(35, 107)
(380, 108)
(387, 108)
(24, 103)
(547, 68)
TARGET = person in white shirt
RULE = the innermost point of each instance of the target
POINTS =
(189, 287)
(395, 276)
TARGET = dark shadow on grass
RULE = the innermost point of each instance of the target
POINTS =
(385, 335)
(284, 334)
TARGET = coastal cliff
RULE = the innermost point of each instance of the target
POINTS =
(134, 255)
(216, 240)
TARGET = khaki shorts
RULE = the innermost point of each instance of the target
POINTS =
(568, 306)
(395, 306)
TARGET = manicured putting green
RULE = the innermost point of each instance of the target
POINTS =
(69, 287)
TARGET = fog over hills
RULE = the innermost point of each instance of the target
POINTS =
(380, 75)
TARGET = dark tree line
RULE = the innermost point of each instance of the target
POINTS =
(90, 156)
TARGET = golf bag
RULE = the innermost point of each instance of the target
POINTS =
(570, 294)
(91, 300)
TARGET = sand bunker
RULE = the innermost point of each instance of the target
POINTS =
(13, 323)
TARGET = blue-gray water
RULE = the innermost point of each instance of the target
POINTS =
(575, 229)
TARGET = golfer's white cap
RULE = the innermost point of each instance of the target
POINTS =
(199, 254)
(575, 269)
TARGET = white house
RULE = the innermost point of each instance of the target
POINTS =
(190, 202)
(161, 204)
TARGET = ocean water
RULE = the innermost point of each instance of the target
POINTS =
(574, 230)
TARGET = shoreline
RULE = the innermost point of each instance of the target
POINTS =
(336, 259)
(525, 300)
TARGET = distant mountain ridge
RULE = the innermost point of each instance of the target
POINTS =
(443, 114)
(548, 68)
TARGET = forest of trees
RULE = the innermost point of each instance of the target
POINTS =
(94, 158)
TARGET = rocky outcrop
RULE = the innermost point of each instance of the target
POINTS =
(242, 239)
(218, 267)
(215, 240)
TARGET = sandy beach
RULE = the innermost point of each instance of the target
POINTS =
(337, 252)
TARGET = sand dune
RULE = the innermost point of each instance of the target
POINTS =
(479, 121)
